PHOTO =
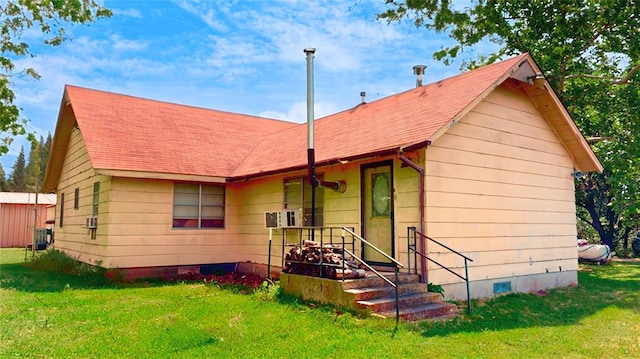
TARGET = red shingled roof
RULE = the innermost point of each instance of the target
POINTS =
(125, 133)
(134, 134)
(403, 119)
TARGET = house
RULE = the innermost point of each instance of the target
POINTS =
(482, 162)
(17, 216)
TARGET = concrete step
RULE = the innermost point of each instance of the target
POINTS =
(440, 310)
(369, 293)
(372, 280)
(379, 305)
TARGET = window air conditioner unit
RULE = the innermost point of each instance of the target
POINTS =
(92, 222)
(282, 219)
(272, 219)
(290, 218)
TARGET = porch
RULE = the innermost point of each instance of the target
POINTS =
(388, 289)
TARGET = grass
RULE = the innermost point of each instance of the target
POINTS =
(79, 314)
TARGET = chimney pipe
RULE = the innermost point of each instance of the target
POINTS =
(310, 51)
(311, 156)
(419, 71)
(362, 96)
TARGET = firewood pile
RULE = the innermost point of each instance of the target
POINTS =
(321, 261)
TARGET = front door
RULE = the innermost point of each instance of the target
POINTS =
(377, 211)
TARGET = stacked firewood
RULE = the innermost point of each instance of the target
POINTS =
(320, 261)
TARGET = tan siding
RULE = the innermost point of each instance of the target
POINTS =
(141, 232)
(73, 237)
(499, 190)
(407, 203)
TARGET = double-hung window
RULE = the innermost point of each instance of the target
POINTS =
(297, 196)
(198, 206)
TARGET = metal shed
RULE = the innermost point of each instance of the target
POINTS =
(17, 216)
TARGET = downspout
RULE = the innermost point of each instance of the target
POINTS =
(420, 170)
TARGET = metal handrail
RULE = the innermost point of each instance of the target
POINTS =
(370, 268)
(349, 252)
(396, 264)
(372, 246)
(415, 250)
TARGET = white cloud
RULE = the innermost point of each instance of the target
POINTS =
(298, 112)
(121, 44)
(206, 11)
(134, 13)
(239, 56)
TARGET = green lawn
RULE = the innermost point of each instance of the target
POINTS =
(46, 314)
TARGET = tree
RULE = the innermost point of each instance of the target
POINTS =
(45, 148)
(18, 176)
(4, 186)
(16, 17)
(32, 171)
(591, 54)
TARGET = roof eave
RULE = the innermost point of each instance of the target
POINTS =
(329, 161)
(159, 175)
(59, 143)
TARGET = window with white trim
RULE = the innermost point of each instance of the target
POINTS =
(198, 206)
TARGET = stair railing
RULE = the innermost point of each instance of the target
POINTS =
(396, 265)
(412, 233)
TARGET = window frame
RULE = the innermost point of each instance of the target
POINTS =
(95, 203)
(76, 198)
(61, 222)
(305, 191)
(202, 220)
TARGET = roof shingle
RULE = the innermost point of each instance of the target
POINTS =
(134, 134)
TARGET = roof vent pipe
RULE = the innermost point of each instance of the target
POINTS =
(362, 96)
(419, 71)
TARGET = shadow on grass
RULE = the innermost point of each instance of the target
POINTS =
(20, 277)
(617, 284)
(53, 271)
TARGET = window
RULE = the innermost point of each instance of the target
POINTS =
(61, 209)
(297, 195)
(198, 206)
(76, 198)
(94, 206)
(96, 198)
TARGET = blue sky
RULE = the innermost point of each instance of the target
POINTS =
(238, 56)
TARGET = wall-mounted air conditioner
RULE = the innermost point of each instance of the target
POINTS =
(290, 218)
(282, 219)
(92, 222)
(272, 219)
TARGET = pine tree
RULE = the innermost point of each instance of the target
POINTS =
(33, 167)
(4, 185)
(18, 176)
(45, 148)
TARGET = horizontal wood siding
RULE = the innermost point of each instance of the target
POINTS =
(407, 203)
(340, 209)
(261, 195)
(141, 233)
(499, 190)
(72, 237)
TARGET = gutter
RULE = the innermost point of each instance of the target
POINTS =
(327, 162)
